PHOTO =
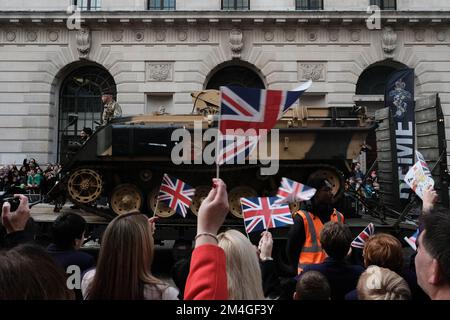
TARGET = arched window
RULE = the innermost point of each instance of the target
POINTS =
(370, 94)
(373, 80)
(80, 103)
(235, 76)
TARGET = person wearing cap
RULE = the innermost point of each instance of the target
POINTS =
(303, 244)
(111, 108)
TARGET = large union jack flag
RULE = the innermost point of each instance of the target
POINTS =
(176, 194)
(361, 239)
(293, 191)
(250, 110)
(263, 213)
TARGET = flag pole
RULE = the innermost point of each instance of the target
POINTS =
(218, 136)
(243, 220)
(157, 199)
(217, 170)
(157, 204)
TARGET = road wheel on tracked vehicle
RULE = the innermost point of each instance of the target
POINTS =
(84, 186)
(126, 198)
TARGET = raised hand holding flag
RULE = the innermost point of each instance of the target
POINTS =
(176, 194)
(361, 239)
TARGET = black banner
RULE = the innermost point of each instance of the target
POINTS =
(399, 97)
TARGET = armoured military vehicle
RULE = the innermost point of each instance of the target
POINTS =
(125, 160)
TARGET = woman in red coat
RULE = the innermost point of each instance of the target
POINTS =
(207, 278)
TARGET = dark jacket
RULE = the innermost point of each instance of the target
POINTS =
(66, 258)
(342, 276)
(15, 238)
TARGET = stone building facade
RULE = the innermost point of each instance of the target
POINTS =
(54, 66)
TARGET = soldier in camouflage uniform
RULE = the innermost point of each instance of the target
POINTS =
(111, 109)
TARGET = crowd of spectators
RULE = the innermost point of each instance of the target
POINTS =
(30, 178)
(366, 186)
(222, 265)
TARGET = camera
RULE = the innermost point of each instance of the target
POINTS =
(14, 202)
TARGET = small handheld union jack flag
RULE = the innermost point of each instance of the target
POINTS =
(293, 191)
(361, 239)
(263, 213)
(412, 240)
(176, 194)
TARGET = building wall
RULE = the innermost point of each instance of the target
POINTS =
(35, 56)
(266, 5)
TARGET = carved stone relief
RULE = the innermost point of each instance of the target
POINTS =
(31, 36)
(203, 35)
(389, 41)
(160, 35)
(312, 35)
(53, 35)
(10, 35)
(83, 38)
(268, 35)
(182, 35)
(290, 35)
(333, 35)
(236, 43)
(441, 35)
(117, 35)
(139, 35)
(159, 71)
(311, 71)
(419, 35)
(355, 35)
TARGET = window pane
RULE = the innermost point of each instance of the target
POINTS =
(390, 5)
(82, 4)
(302, 4)
(309, 4)
(315, 5)
(96, 4)
(154, 4)
(241, 4)
(169, 5)
(228, 4)
(88, 4)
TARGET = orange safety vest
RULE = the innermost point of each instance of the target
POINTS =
(312, 252)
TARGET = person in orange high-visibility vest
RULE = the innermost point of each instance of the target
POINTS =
(303, 244)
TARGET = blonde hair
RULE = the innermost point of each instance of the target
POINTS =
(382, 284)
(243, 271)
(125, 259)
